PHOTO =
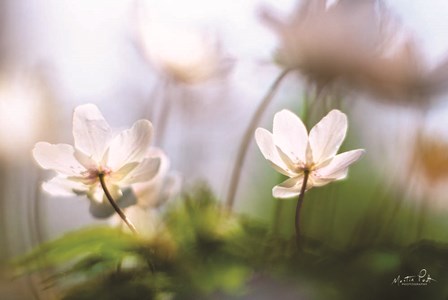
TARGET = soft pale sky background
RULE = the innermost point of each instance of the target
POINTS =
(88, 49)
(84, 42)
(89, 46)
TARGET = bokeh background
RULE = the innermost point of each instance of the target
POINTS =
(57, 54)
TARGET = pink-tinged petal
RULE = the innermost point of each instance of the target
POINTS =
(145, 171)
(290, 164)
(338, 167)
(87, 178)
(85, 160)
(59, 157)
(327, 136)
(91, 132)
(289, 188)
(60, 186)
(292, 187)
(290, 135)
(267, 147)
(316, 181)
(130, 145)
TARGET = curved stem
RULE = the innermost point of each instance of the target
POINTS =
(242, 150)
(299, 205)
(114, 205)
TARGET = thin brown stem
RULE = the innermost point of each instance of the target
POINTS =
(242, 150)
(306, 174)
(114, 205)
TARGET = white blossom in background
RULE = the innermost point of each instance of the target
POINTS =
(361, 45)
(182, 54)
(292, 152)
(121, 158)
(327, 41)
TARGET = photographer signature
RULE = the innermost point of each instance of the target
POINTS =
(422, 279)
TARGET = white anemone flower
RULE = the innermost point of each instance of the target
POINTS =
(150, 195)
(294, 153)
(120, 159)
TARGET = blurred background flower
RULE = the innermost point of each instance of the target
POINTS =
(328, 42)
(80, 52)
(25, 112)
(178, 53)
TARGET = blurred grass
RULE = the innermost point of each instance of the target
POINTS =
(203, 252)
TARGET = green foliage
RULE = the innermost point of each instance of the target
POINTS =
(204, 252)
(90, 247)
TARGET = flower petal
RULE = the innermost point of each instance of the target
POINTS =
(91, 132)
(102, 210)
(59, 157)
(289, 188)
(146, 221)
(114, 191)
(172, 186)
(338, 167)
(164, 160)
(130, 145)
(145, 171)
(123, 172)
(317, 181)
(85, 160)
(60, 186)
(96, 193)
(290, 135)
(267, 147)
(152, 193)
(327, 136)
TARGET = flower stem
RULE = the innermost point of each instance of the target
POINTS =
(299, 205)
(242, 150)
(114, 205)
(304, 116)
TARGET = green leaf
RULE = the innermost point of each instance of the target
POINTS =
(97, 244)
